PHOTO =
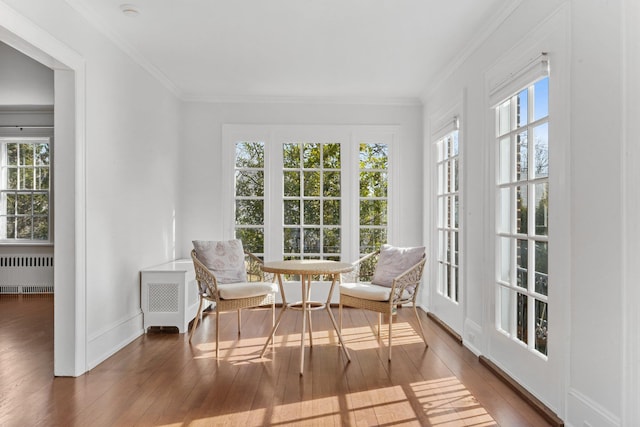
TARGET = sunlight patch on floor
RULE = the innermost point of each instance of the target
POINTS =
(447, 403)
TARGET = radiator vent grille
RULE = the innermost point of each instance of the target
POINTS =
(26, 274)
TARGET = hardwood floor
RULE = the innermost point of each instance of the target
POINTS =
(161, 380)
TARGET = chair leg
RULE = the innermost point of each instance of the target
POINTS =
(390, 335)
(424, 336)
(310, 333)
(195, 321)
(217, 333)
(239, 322)
(379, 323)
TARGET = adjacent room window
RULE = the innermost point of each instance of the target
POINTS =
(522, 138)
(448, 203)
(25, 196)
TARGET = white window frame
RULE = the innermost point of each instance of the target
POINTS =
(273, 136)
(31, 138)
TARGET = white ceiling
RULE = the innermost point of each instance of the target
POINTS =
(328, 49)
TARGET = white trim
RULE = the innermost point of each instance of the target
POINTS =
(517, 80)
(70, 332)
(316, 100)
(107, 341)
(98, 23)
(479, 38)
(585, 410)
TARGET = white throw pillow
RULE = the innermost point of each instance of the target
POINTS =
(394, 261)
(224, 258)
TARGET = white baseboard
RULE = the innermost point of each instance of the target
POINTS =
(582, 411)
(472, 337)
(113, 338)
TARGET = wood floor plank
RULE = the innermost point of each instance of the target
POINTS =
(162, 380)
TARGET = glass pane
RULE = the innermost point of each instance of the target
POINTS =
(23, 230)
(442, 243)
(455, 143)
(522, 263)
(26, 179)
(504, 118)
(331, 184)
(371, 239)
(504, 222)
(457, 248)
(542, 270)
(40, 228)
(505, 259)
(522, 108)
(11, 204)
(446, 170)
(505, 308)
(331, 240)
(457, 284)
(373, 184)
(541, 99)
(12, 179)
(23, 205)
(249, 183)
(541, 326)
(248, 155)
(448, 222)
(505, 160)
(331, 212)
(521, 317)
(40, 204)
(11, 227)
(12, 154)
(291, 240)
(542, 209)
(252, 239)
(373, 156)
(541, 150)
(373, 212)
(291, 212)
(42, 178)
(311, 184)
(311, 155)
(455, 174)
(456, 206)
(311, 211)
(311, 240)
(42, 154)
(522, 209)
(291, 156)
(331, 156)
(441, 212)
(441, 179)
(26, 155)
(291, 183)
(522, 157)
(249, 212)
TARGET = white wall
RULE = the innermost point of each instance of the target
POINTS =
(202, 217)
(132, 132)
(592, 320)
(23, 81)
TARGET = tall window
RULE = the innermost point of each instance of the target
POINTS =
(321, 196)
(24, 196)
(249, 195)
(522, 138)
(312, 200)
(447, 216)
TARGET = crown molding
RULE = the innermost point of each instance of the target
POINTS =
(324, 100)
(99, 24)
(469, 49)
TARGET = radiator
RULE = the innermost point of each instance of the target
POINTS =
(26, 274)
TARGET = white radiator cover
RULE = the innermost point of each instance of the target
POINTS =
(26, 274)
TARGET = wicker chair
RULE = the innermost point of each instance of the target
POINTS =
(354, 292)
(233, 296)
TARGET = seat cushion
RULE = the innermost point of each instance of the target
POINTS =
(393, 261)
(246, 289)
(224, 258)
(369, 291)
